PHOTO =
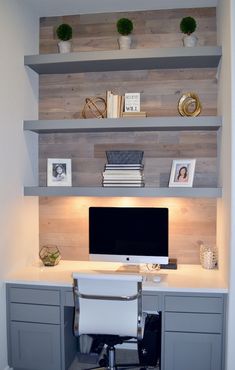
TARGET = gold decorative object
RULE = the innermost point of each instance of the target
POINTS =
(94, 107)
(189, 105)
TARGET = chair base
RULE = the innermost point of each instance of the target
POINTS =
(120, 366)
(108, 362)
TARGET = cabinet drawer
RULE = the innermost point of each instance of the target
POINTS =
(193, 322)
(194, 304)
(68, 299)
(36, 296)
(152, 302)
(34, 313)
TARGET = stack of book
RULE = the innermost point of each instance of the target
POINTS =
(123, 175)
(115, 105)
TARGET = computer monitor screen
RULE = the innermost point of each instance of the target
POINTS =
(128, 234)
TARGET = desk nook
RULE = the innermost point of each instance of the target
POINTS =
(97, 228)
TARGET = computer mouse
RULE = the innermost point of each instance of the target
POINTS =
(156, 279)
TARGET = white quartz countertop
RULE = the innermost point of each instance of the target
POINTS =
(187, 278)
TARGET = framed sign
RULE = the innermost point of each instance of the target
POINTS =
(59, 172)
(182, 172)
(132, 102)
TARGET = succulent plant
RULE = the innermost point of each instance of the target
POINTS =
(64, 32)
(188, 25)
(124, 26)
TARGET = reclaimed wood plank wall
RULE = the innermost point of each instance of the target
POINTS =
(87, 151)
(63, 221)
(157, 28)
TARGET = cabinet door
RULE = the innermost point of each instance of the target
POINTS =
(35, 346)
(192, 351)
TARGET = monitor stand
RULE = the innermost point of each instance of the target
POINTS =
(131, 269)
(148, 276)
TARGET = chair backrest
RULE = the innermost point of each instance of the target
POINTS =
(108, 304)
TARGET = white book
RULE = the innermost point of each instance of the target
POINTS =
(124, 166)
(109, 98)
(122, 181)
(115, 106)
(122, 173)
(124, 185)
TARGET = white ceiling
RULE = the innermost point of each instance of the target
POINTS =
(47, 8)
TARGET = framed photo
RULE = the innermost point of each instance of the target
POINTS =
(59, 172)
(182, 172)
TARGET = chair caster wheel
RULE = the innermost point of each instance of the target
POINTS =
(104, 361)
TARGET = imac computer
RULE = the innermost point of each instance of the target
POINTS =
(130, 235)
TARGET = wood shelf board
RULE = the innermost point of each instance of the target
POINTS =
(123, 192)
(133, 59)
(206, 123)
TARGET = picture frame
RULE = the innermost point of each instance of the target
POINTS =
(132, 102)
(182, 173)
(59, 172)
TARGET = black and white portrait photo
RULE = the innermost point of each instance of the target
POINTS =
(59, 172)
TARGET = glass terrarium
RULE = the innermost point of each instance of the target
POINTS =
(50, 255)
(208, 256)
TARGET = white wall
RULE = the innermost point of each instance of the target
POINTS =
(230, 353)
(226, 219)
(224, 110)
(18, 101)
(61, 7)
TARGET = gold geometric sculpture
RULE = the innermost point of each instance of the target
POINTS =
(94, 107)
(189, 105)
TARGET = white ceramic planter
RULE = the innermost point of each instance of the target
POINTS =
(64, 47)
(190, 40)
(124, 42)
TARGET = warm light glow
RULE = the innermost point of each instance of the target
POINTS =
(64, 222)
(177, 206)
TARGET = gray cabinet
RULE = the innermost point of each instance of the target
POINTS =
(193, 332)
(192, 351)
(35, 346)
(34, 328)
(40, 328)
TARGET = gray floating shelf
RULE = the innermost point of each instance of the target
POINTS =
(125, 124)
(123, 192)
(133, 59)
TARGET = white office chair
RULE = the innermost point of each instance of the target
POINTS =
(109, 305)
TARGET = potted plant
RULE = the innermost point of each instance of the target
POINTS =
(124, 27)
(64, 33)
(187, 26)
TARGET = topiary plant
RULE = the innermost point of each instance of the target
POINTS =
(124, 26)
(64, 32)
(188, 25)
